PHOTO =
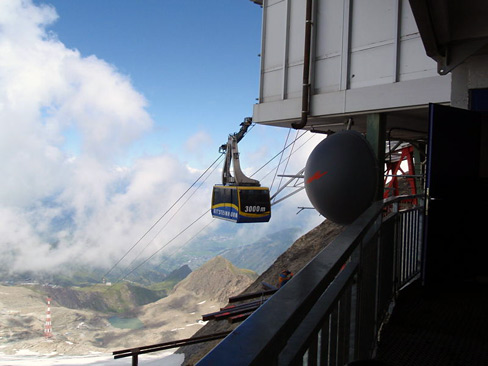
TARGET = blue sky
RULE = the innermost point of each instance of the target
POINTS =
(111, 109)
(196, 62)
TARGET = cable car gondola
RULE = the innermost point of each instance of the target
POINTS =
(239, 199)
(241, 203)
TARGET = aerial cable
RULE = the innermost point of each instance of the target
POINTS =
(174, 214)
(287, 161)
(158, 220)
(297, 176)
(164, 246)
(240, 134)
(274, 157)
(281, 157)
(189, 240)
(273, 169)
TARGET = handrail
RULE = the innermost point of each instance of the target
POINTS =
(373, 250)
(135, 352)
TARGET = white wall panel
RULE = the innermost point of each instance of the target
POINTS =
(328, 46)
(295, 79)
(373, 22)
(271, 82)
(410, 65)
(274, 35)
(328, 27)
(273, 42)
(408, 27)
(297, 31)
(356, 45)
(413, 62)
(372, 38)
(327, 76)
(372, 66)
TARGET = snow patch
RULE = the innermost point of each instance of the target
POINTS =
(27, 359)
(26, 352)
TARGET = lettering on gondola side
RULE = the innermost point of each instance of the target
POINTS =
(254, 209)
(225, 213)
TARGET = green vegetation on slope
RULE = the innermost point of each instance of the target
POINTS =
(120, 297)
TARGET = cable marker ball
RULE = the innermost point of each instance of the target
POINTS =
(341, 176)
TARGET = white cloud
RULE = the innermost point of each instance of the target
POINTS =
(56, 207)
(67, 123)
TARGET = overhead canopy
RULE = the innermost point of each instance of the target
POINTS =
(452, 30)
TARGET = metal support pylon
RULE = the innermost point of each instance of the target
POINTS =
(394, 171)
(48, 330)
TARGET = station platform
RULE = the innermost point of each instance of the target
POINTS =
(446, 326)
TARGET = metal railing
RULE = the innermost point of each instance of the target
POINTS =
(135, 352)
(331, 312)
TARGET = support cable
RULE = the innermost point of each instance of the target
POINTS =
(164, 246)
(274, 157)
(173, 216)
(242, 132)
(201, 216)
(281, 157)
(298, 148)
(189, 240)
(287, 161)
(158, 220)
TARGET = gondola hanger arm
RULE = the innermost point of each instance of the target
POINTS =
(232, 158)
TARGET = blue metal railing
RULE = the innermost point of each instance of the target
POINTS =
(331, 312)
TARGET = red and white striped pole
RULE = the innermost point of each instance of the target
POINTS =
(48, 330)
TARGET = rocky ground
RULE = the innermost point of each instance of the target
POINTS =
(294, 259)
(178, 316)
(84, 332)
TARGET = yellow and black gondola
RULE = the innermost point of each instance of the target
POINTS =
(239, 198)
(241, 204)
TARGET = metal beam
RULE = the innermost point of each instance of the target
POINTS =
(396, 39)
(375, 134)
(284, 90)
(346, 27)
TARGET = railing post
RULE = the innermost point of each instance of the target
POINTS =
(135, 357)
(333, 312)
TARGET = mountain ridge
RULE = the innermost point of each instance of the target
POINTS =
(261, 254)
(221, 278)
(81, 331)
(304, 249)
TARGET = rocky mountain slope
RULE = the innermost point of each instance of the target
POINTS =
(216, 279)
(258, 256)
(80, 332)
(294, 259)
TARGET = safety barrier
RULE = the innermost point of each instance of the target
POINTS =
(135, 352)
(332, 311)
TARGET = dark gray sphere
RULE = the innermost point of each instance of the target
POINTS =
(341, 176)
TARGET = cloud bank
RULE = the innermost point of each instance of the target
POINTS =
(67, 124)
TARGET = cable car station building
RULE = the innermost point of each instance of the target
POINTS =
(396, 71)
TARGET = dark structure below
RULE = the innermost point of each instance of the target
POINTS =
(425, 328)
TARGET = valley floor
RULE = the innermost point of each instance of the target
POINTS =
(81, 334)
(25, 358)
